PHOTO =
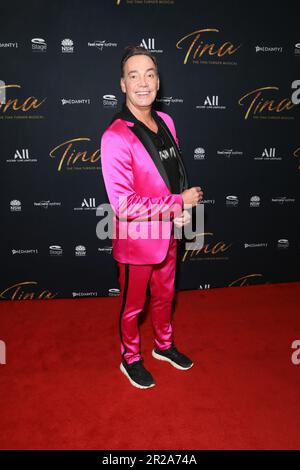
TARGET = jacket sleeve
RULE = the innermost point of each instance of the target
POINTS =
(119, 182)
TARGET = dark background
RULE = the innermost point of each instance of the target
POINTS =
(90, 73)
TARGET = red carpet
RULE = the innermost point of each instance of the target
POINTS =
(61, 387)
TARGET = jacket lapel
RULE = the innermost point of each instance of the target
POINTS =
(183, 175)
(146, 141)
(148, 144)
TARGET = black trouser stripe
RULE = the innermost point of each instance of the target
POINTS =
(126, 282)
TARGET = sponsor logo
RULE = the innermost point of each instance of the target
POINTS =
(232, 201)
(283, 200)
(38, 45)
(46, 204)
(268, 154)
(268, 49)
(113, 292)
(87, 204)
(102, 44)
(149, 44)
(211, 102)
(80, 250)
(67, 46)
(55, 250)
(75, 101)
(84, 294)
(15, 205)
(199, 153)
(283, 244)
(297, 49)
(254, 201)
(109, 101)
(167, 100)
(255, 245)
(105, 249)
(229, 153)
(8, 45)
(21, 156)
(24, 252)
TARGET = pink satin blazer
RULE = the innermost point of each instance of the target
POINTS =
(141, 200)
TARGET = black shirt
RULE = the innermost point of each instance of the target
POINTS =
(165, 149)
(167, 155)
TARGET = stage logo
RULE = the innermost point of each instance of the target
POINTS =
(38, 45)
(199, 48)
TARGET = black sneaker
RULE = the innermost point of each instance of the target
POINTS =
(176, 358)
(137, 374)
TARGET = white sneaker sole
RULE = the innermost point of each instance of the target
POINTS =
(163, 358)
(122, 368)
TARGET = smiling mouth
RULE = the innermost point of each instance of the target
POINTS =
(142, 92)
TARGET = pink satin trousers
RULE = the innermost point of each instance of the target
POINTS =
(134, 280)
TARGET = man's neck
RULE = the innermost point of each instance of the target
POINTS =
(143, 114)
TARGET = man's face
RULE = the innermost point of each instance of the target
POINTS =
(140, 81)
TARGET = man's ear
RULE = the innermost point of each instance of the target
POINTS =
(122, 85)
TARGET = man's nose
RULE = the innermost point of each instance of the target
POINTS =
(143, 81)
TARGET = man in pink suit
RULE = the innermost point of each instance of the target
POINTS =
(147, 186)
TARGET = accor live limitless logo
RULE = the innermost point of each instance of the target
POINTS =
(197, 45)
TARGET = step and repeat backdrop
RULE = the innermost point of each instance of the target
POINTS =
(230, 78)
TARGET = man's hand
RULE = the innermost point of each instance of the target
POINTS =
(182, 219)
(192, 196)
